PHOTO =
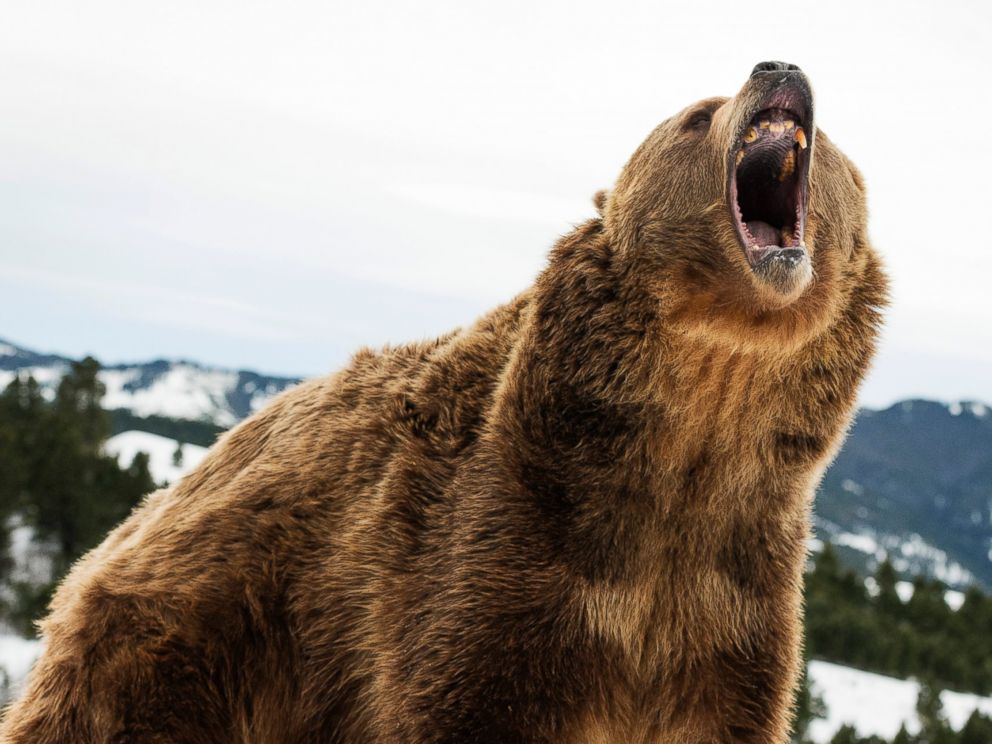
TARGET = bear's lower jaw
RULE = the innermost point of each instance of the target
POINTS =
(787, 272)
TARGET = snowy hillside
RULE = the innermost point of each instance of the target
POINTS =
(877, 705)
(912, 483)
(161, 454)
(909, 553)
(174, 389)
(16, 657)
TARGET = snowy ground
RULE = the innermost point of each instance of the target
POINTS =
(878, 705)
(16, 657)
(160, 453)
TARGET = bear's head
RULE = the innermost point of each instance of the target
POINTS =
(748, 220)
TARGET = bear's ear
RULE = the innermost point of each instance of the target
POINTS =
(599, 200)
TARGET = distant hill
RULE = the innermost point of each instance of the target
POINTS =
(164, 388)
(913, 481)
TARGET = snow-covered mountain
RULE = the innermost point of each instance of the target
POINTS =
(173, 389)
(914, 483)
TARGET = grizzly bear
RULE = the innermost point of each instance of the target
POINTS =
(582, 519)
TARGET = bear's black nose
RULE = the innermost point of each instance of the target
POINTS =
(773, 67)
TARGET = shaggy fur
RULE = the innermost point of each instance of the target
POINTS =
(582, 519)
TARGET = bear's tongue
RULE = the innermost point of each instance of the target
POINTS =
(763, 233)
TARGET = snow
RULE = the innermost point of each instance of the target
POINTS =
(862, 542)
(954, 599)
(183, 391)
(974, 407)
(261, 400)
(873, 704)
(905, 590)
(46, 377)
(878, 705)
(958, 707)
(160, 452)
(16, 657)
(950, 572)
(871, 586)
(852, 486)
(31, 559)
(908, 553)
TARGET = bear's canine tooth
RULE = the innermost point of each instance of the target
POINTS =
(801, 138)
(740, 156)
(750, 135)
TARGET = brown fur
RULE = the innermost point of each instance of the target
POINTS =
(583, 519)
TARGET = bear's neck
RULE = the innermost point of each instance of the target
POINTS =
(631, 439)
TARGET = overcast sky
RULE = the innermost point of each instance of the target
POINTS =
(272, 185)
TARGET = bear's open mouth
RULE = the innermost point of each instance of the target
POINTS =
(768, 175)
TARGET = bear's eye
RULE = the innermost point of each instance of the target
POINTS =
(698, 121)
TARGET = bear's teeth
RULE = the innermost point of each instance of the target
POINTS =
(764, 124)
(788, 165)
(801, 138)
(776, 127)
(750, 135)
(788, 124)
(740, 156)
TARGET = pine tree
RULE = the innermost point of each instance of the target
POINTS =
(64, 491)
(888, 600)
(934, 729)
(808, 708)
(78, 399)
(902, 736)
(22, 418)
(177, 455)
(69, 490)
(977, 730)
(845, 735)
(927, 608)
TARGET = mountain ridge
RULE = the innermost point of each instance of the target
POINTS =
(179, 389)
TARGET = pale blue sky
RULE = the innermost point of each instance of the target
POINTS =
(272, 185)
